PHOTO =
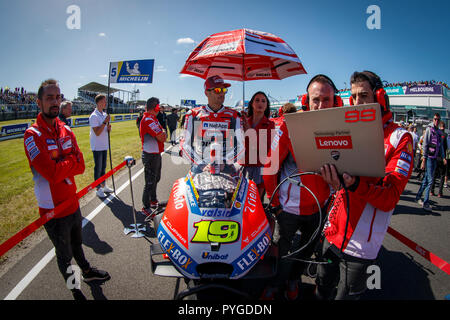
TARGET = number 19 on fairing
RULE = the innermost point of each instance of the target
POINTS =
(221, 231)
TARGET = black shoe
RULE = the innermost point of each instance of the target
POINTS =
(95, 274)
(78, 295)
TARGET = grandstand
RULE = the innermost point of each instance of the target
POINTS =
(20, 104)
(17, 103)
(88, 92)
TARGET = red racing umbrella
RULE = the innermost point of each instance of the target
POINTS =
(243, 55)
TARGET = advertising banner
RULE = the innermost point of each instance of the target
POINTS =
(344, 94)
(391, 91)
(132, 71)
(187, 103)
(394, 91)
(81, 122)
(430, 89)
(12, 130)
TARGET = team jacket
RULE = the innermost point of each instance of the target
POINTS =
(149, 129)
(258, 140)
(203, 125)
(373, 200)
(291, 197)
(54, 158)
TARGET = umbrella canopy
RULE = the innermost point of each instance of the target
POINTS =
(243, 55)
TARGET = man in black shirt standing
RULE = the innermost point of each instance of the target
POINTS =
(162, 118)
(172, 122)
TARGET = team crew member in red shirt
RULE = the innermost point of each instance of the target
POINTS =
(357, 225)
(297, 208)
(152, 137)
(55, 158)
(213, 122)
(258, 138)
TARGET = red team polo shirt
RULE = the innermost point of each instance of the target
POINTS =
(149, 129)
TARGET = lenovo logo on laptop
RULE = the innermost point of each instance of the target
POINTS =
(336, 142)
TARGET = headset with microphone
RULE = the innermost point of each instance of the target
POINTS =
(378, 91)
(337, 99)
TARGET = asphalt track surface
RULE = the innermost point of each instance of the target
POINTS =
(405, 275)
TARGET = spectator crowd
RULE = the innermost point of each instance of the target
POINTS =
(411, 84)
(19, 97)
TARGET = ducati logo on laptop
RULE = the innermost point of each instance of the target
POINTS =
(335, 155)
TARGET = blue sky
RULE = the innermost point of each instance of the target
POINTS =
(329, 37)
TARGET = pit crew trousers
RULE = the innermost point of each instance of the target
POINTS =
(65, 234)
(152, 170)
(348, 273)
(289, 224)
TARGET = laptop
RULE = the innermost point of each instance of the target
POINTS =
(350, 137)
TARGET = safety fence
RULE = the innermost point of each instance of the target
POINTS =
(434, 259)
(22, 234)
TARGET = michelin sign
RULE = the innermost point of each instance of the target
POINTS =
(132, 71)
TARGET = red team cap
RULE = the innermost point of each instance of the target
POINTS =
(215, 82)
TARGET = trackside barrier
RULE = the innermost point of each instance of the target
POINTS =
(25, 232)
(434, 259)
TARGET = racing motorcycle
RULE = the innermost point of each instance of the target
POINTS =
(215, 234)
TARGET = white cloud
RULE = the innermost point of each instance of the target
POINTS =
(103, 75)
(183, 75)
(160, 69)
(102, 34)
(185, 41)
